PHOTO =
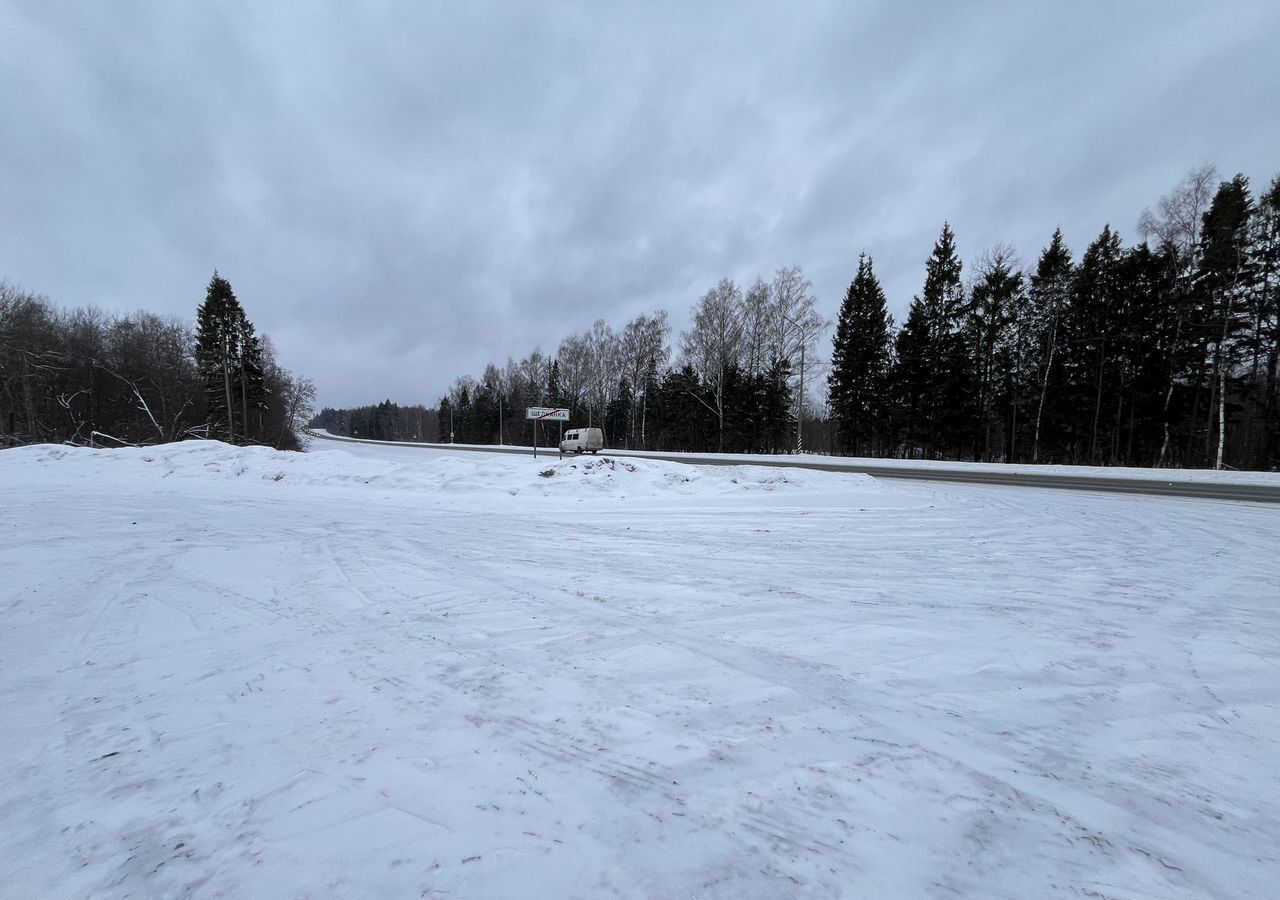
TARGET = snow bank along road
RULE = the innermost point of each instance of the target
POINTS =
(388, 672)
(1256, 487)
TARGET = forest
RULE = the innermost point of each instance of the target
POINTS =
(1164, 352)
(81, 376)
(1159, 353)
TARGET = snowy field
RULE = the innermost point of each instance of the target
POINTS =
(391, 672)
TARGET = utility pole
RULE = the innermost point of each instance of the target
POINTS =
(800, 402)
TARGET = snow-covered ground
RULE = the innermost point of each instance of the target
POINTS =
(391, 672)
(1173, 476)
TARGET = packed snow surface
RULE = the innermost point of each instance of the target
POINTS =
(394, 672)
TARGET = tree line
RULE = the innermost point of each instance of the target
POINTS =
(385, 421)
(732, 388)
(82, 376)
(1162, 353)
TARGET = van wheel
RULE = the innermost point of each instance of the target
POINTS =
(595, 451)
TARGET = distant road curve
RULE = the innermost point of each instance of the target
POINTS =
(1201, 490)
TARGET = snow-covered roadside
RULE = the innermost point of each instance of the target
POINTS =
(358, 674)
(1204, 476)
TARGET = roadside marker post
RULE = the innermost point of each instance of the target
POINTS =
(544, 414)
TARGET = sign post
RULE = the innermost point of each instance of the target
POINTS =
(544, 414)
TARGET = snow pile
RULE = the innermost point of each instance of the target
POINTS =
(629, 476)
(418, 471)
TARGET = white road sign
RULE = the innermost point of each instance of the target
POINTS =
(547, 414)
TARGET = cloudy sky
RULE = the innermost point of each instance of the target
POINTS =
(402, 192)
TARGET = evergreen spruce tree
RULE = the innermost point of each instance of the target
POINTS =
(649, 400)
(251, 381)
(1148, 328)
(618, 415)
(462, 415)
(219, 349)
(1264, 251)
(912, 379)
(1219, 289)
(1092, 324)
(1048, 298)
(685, 422)
(996, 346)
(777, 401)
(230, 358)
(949, 405)
(858, 380)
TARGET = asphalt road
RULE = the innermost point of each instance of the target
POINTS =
(1250, 493)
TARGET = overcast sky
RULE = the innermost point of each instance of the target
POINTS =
(402, 192)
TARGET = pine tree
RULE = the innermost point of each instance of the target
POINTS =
(858, 380)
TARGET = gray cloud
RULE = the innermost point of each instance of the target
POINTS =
(400, 194)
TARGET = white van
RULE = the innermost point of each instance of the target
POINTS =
(579, 440)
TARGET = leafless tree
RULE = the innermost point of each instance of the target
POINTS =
(574, 357)
(643, 343)
(713, 344)
(1176, 226)
(604, 368)
(759, 329)
(798, 328)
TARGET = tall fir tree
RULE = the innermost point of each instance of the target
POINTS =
(617, 417)
(776, 401)
(947, 404)
(995, 344)
(649, 400)
(1219, 290)
(1149, 324)
(1048, 298)
(462, 414)
(858, 381)
(911, 379)
(251, 381)
(229, 358)
(1264, 250)
(1092, 324)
